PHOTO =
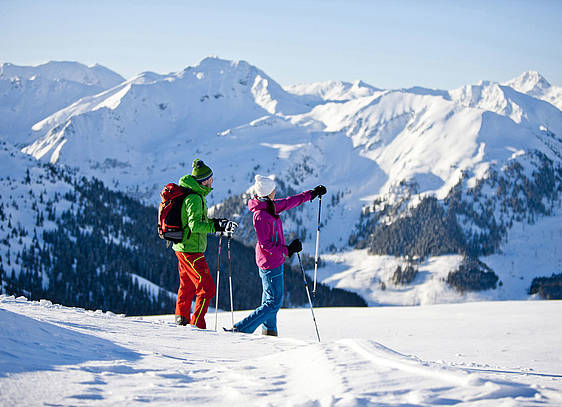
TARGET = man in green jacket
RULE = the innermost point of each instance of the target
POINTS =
(195, 278)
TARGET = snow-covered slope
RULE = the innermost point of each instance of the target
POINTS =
(31, 93)
(504, 100)
(534, 84)
(37, 202)
(95, 75)
(471, 354)
(150, 127)
(23, 184)
(68, 238)
(364, 144)
(334, 90)
(224, 112)
(430, 140)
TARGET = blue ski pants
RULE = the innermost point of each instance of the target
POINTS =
(272, 298)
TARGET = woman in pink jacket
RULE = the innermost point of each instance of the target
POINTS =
(271, 251)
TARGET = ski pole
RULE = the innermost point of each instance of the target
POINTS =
(308, 294)
(230, 281)
(218, 283)
(317, 240)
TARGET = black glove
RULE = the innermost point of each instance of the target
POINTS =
(319, 190)
(220, 224)
(294, 247)
(230, 227)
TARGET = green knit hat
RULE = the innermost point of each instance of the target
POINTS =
(200, 171)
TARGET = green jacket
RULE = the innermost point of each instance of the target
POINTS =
(194, 215)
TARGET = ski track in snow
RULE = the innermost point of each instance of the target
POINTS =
(54, 355)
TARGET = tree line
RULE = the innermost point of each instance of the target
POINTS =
(106, 238)
(471, 222)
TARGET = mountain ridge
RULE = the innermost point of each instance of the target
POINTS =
(369, 146)
(30, 94)
(64, 70)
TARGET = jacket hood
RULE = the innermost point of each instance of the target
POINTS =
(256, 204)
(188, 181)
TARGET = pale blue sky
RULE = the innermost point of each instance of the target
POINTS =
(388, 44)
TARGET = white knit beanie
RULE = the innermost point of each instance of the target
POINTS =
(264, 185)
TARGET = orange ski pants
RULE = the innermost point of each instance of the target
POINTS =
(195, 279)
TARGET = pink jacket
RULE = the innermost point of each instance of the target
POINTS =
(270, 247)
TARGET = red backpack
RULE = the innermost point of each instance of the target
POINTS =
(169, 213)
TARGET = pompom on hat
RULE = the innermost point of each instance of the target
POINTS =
(200, 171)
(264, 185)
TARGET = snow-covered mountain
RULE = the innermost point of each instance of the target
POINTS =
(29, 94)
(151, 126)
(534, 84)
(47, 215)
(95, 75)
(372, 148)
(334, 90)
(68, 238)
(147, 129)
(434, 196)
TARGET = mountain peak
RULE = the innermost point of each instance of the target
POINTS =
(214, 62)
(218, 68)
(95, 75)
(360, 84)
(334, 90)
(529, 82)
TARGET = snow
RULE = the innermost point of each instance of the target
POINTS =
(531, 250)
(64, 70)
(21, 201)
(360, 141)
(534, 84)
(371, 277)
(333, 90)
(29, 94)
(474, 354)
(224, 109)
(152, 288)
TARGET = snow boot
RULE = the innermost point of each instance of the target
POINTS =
(181, 320)
(269, 332)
